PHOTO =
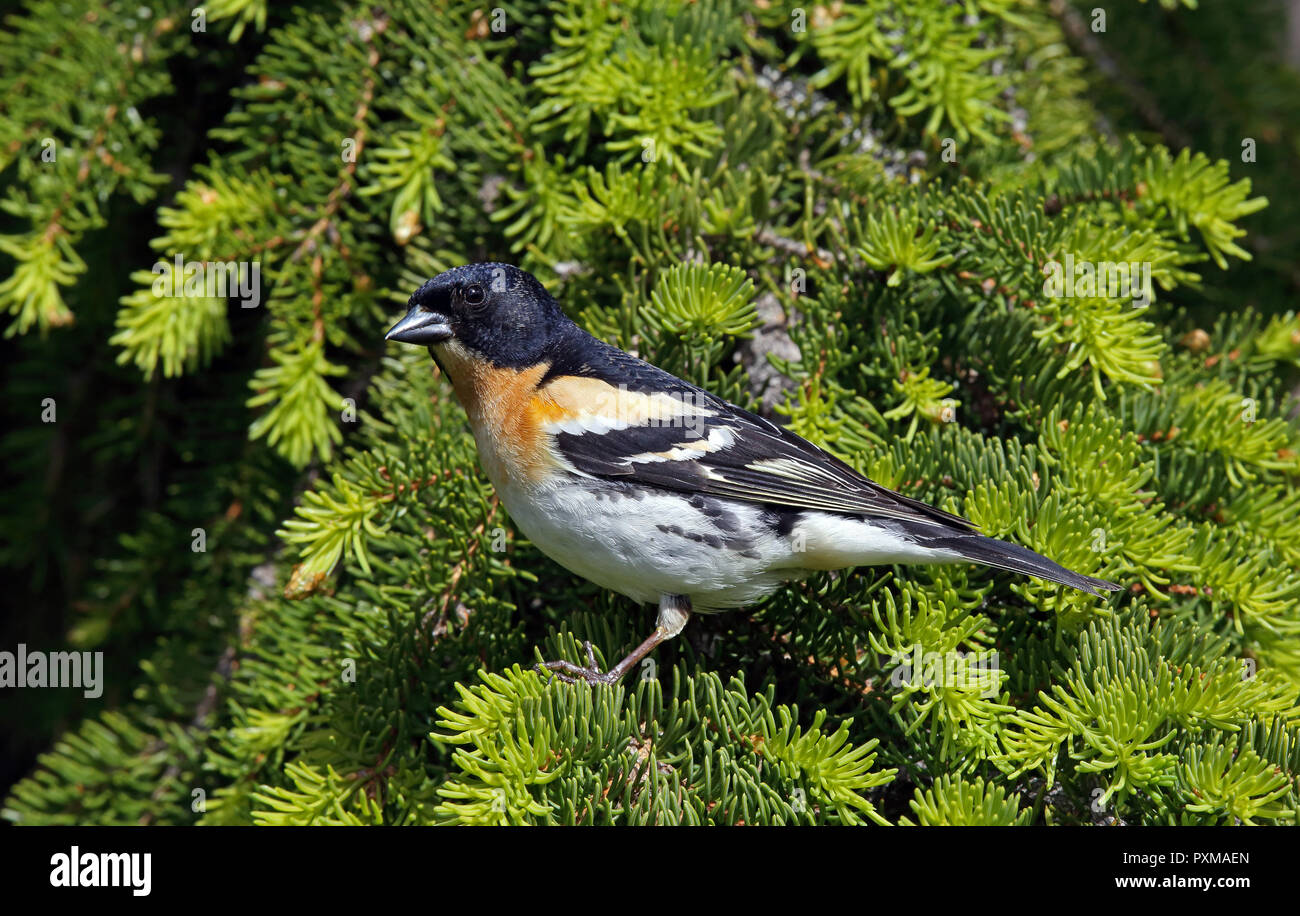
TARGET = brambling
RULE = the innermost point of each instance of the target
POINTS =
(652, 487)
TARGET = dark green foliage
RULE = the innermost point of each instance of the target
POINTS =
(885, 183)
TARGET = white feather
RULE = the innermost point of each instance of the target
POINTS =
(638, 543)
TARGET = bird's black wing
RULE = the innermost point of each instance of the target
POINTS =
(709, 447)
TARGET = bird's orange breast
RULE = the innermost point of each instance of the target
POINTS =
(507, 414)
(514, 420)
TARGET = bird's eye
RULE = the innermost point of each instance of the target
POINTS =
(473, 294)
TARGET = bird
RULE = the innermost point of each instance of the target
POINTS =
(652, 487)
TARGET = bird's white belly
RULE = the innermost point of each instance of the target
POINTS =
(647, 543)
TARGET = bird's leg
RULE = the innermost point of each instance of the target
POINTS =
(674, 611)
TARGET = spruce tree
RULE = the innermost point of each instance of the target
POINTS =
(847, 216)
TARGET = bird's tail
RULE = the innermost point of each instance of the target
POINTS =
(1004, 555)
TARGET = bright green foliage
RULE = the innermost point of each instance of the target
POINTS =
(703, 308)
(952, 802)
(897, 243)
(75, 137)
(849, 217)
(527, 753)
(298, 420)
(936, 64)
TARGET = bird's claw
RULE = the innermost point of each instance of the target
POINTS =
(569, 673)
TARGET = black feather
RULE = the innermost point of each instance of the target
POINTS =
(1004, 555)
(744, 471)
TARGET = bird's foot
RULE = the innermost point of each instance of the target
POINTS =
(569, 672)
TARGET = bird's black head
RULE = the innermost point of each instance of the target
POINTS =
(497, 312)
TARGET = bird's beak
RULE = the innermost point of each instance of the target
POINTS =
(420, 327)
